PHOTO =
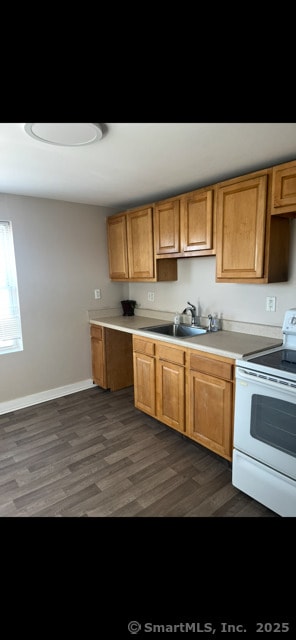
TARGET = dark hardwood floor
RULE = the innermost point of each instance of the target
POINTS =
(93, 454)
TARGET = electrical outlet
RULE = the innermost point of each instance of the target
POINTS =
(97, 294)
(270, 303)
(150, 296)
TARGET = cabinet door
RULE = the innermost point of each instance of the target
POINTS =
(117, 247)
(167, 227)
(241, 222)
(140, 244)
(144, 383)
(98, 357)
(210, 413)
(170, 394)
(119, 359)
(197, 222)
(284, 188)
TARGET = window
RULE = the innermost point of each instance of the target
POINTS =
(10, 320)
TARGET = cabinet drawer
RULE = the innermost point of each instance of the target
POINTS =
(165, 352)
(142, 345)
(211, 366)
(96, 332)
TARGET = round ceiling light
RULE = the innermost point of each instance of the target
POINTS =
(65, 134)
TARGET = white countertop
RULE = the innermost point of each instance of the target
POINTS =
(231, 344)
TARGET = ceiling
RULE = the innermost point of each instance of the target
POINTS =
(138, 163)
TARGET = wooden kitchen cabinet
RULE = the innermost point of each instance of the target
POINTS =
(159, 381)
(140, 244)
(167, 227)
(184, 226)
(112, 360)
(144, 375)
(210, 402)
(117, 247)
(251, 245)
(283, 200)
(188, 390)
(131, 248)
(98, 356)
(170, 385)
(197, 223)
(243, 221)
(130, 245)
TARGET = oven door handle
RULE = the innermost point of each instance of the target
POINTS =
(261, 379)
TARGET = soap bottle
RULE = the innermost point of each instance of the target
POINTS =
(215, 322)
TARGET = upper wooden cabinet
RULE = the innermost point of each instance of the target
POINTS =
(117, 247)
(131, 248)
(197, 223)
(167, 227)
(243, 221)
(140, 244)
(130, 245)
(283, 200)
(252, 246)
(184, 226)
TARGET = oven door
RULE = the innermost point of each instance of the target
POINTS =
(265, 421)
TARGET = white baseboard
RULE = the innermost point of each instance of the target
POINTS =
(43, 396)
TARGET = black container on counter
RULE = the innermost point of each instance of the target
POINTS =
(128, 307)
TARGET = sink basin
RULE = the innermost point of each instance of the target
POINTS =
(176, 330)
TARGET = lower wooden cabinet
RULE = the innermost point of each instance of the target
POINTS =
(189, 390)
(98, 356)
(144, 383)
(170, 385)
(159, 381)
(112, 358)
(210, 402)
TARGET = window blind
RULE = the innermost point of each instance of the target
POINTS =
(10, 320)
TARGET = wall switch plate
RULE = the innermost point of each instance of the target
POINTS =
(97, 294)
(270, 303)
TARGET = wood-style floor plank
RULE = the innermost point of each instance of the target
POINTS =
(92, 454)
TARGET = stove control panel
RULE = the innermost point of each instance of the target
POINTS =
(289, 324)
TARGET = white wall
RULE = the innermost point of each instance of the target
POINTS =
(240, 302)
(61, 257)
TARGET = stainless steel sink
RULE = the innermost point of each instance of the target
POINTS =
(176, 330)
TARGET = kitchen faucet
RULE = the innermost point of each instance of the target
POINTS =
(192, 310)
